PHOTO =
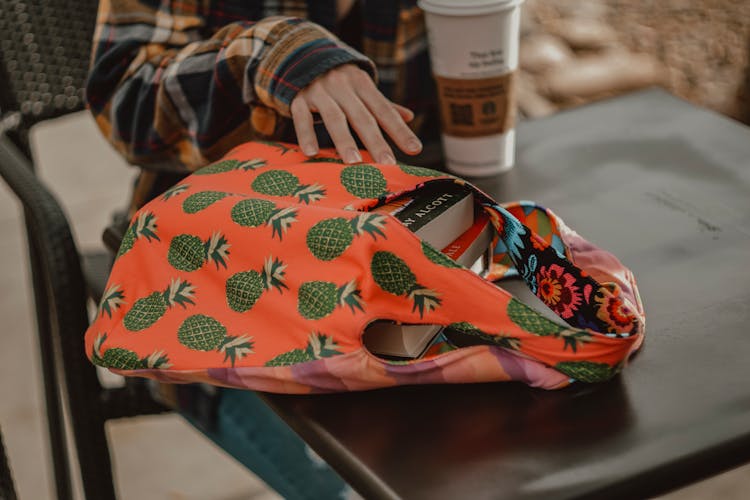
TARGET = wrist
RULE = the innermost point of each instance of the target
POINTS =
(301, 52)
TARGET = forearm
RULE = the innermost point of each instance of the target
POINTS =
(170, 98)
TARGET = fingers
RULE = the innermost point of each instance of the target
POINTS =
(406, 114)
(389, 116)
(347, 95)
(303, 126)
(335, 121)
(365, 125)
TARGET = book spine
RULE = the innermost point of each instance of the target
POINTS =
(426, 207)
(460, 245)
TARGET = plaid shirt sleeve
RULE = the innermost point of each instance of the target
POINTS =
(176, 84)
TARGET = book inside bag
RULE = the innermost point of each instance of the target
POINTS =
(448, 217)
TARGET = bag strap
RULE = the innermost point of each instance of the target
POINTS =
(547, 265)
(605, 318)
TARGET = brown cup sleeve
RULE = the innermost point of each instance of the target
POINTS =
(477, 107)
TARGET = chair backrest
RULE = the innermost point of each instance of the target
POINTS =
(45, 47)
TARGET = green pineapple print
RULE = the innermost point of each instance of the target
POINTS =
(201, 200)
(329, 238)
(229, 165)
(394, 276)
(465, 327)
(318, 299)
(421, 171)
(364, 181)
(253, 213)
(587, 371)
(318, 346)
(188, 253)
(283, 183)
(531, 321)
(124, 359)
(204, 333)
(112, 299)
(148, 310)
(437, 257)
(245, 288)
(144, 226)
(174, 191)
(481, 338)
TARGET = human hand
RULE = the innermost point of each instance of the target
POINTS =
(347, 95)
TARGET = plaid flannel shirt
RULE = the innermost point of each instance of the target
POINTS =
(174, 84)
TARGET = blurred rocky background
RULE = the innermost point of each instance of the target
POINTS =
(574, 52)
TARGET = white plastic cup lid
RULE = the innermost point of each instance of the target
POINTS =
(466, 7)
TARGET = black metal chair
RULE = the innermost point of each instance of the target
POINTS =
(7, 491)
(44, 59)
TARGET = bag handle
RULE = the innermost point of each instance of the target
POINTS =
(605, 318)
(548, 269)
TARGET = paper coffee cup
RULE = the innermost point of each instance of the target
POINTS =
(474, 55)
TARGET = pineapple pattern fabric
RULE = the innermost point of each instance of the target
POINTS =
(262, 270)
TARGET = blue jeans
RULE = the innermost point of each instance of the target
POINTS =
(248, 430)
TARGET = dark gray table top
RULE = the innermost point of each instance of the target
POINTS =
(663, 185)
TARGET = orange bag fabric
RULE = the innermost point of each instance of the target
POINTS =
(261, 271)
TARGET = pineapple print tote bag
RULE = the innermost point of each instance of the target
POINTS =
(263, 270)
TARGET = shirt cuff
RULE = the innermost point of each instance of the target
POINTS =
(300, 54)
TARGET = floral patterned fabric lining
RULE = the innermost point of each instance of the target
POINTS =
(262, 271)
